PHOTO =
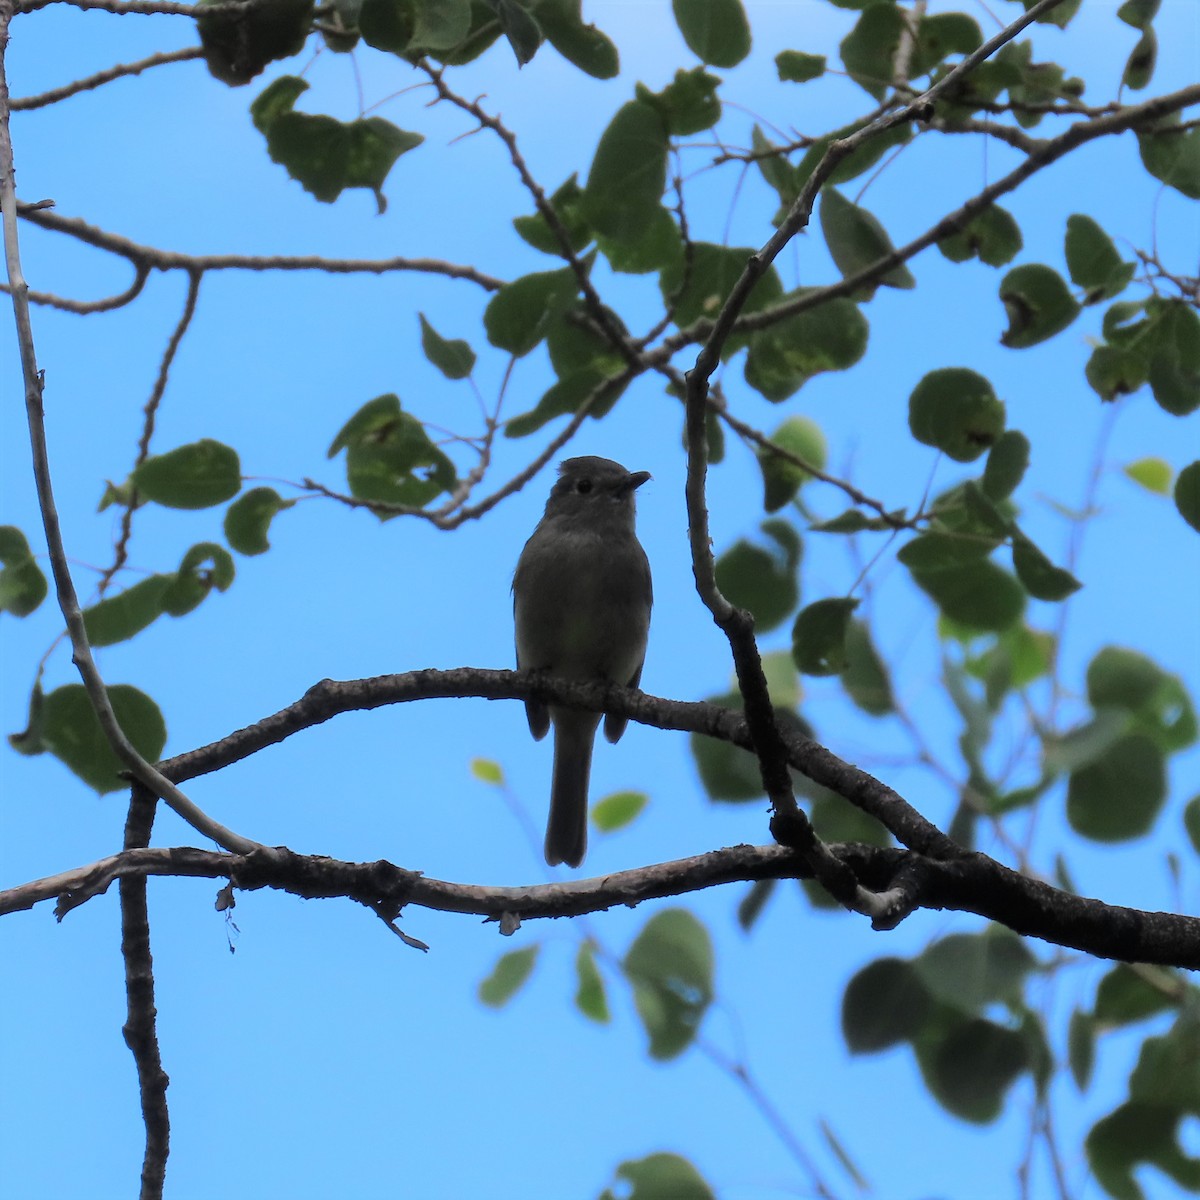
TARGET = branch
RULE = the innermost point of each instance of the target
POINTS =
(971, 883)
(68, 600)
(120, 71)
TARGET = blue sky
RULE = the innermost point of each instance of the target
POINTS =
(323, 1057)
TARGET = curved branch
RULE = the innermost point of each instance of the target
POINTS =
(971, 883)
(120, 71)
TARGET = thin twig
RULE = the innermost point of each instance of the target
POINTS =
(120, 71)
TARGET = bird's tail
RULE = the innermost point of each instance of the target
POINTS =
(566, 830)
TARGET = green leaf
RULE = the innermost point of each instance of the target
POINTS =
(205, 566)
(440, 24)
(390, 24)
(1191, 821)
(1187, 494)
(389, 457)
(1138, 13)
(22, 585)
(885, 1002)
(785, 356)
(590, 996)
(455, 359)
(794, 66)
(857, 161)
(940, 36)
(716, 31)
(869, 50)
(583, 45)
(857, 240)
(1038, 303)
(819, 636)
(994, 237)
(508, 976)
(762, 580)
(1118, 795)
(567, 203)
(865, 676)
(249, 517)
(660, 1177)
(751, 905)
(323, 155)
(518, 315)
(627, 176)
(1139, 67)
(670, 965)
(567, 396)
(1060, 15)
(1039, 576)
(522, 30)
(782, 479)
(1126, 995)
(1173, 156)
(618, 810)
(969, 971)
(1007, 462)
(1154, 474)
(1093, 260)
(1116, 371)
(978, 595)
(701, 289)
(29, 741)
(238, 45)
(1139, 1131)
(728, 773)
(1081, 1047)
(688, 105)
(970, 1064)
(71, 732)
(1174, 372)
(1125, 680)
(487, 770)
(956, 410)
(119, 617)
(854, 520)
(197, 475)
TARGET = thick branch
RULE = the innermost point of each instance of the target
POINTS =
(972, 883)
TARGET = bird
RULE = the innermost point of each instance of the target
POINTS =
(582, 594)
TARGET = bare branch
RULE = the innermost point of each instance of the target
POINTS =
(120, 71)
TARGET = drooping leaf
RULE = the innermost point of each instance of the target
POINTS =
(205, 566)
(249, 517)
(716, 31)
(869, 49)
(1173, 156)
(978, 595)
(590, 997)
(1038, 575)
(994, 237)
(22, 585)
(567, 203)
(72, 733)
(884, 1003)
(794, 66)
(579, 43)
(857, 240)
(689, 104)
(197, 475)
(1118, 795)
(785, 356)
(865, 676)
(323, 155)
(521, 30)
(670, 966)
(519, 314)
(956, 410)
(1038, 303)
(1007, 462)
(1174, 371)
(508, 976)
(1152, 473)
(819, 636)
(117, 618)
(1187, 494)
(628, 173)
(453, 357)
(762, 579)
(1093, 260)
(783, 478)
(618, 810)
(970, 1064)
(660, 1177)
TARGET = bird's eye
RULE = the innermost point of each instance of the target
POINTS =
(583, 486)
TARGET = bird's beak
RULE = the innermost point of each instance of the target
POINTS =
(633, 481)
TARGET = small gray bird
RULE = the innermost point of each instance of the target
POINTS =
(581, 603)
